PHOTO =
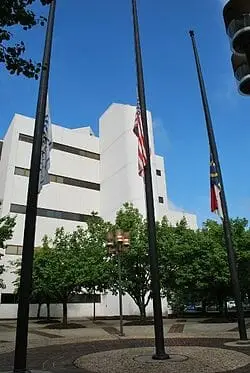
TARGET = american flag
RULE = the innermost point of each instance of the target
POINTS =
(138, 131)
(215, 189)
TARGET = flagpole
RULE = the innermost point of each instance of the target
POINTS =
(153, 256)
(225, 219)
(20, 359)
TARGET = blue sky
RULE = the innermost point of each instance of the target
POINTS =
(93, 66)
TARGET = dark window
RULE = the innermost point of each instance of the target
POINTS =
(64, 148)
(7, 298)
(1, 147)
(13, 250)
(85, 298)
(161, 200)
(55, 214)
(158, 172)
(25, 138)
(62, 179)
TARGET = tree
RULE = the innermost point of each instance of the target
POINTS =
(7, 225)
(180, 263)
(58, 271)
(42, 292)
(135, 262)
(18, 14)
(194, 264)
(91, 243)
(241, 239)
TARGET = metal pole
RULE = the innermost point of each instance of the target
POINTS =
(225, 220)
(20, 359)
(153, 256)
(120, 289)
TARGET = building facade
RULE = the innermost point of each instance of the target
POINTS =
(87, 174)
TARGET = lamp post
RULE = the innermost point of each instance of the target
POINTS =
(117, 244)
(236, 15)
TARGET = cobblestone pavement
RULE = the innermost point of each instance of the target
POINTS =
(60, 358)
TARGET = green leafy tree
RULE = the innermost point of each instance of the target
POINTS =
(241, 238)
(58, 271)
(91, 243)
(42, 291)
(16, 14)
(135, 262)
(7, 225)
(194, 264)
(180, 263)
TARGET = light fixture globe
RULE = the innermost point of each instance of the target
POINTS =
(236, 15)
(241, 73)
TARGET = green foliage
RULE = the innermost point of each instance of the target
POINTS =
(94, 253)
(194, 264)
(7, 225)
(135, 262)
(13, 14)
(70, 263)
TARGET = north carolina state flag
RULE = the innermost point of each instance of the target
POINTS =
(215, 189)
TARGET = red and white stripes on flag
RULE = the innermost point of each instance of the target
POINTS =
(138, 131)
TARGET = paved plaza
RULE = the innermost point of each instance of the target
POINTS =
(194, 346)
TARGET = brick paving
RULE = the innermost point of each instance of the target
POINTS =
(60, 358)
(176, 328)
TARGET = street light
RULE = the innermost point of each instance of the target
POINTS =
(242, 73)
(236, 15)
(118, 244)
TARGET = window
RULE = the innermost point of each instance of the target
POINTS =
(55, 214)
(158, 172)
(14, 250)
(62, 179)
(1, 147)
(65, 148)
(161, 199)
(85, 298)
(8, 298)
(22, 171)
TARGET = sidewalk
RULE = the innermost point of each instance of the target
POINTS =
(109, 330)
(194, 347)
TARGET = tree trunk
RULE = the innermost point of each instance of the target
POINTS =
(38, 310)
(94, 315)
(204, 306)
(65, 313)
(225, 308)
(48, 311)
(142, 309)
(221, 304)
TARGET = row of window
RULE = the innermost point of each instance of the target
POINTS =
(62, 179)
(8, 298)
(1, 147)
(48, 213)
(14, 250)
(70, 149)
(64, 148)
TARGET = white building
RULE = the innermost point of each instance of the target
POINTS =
(87, 174)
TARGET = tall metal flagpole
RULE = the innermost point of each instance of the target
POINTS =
(153, 256)
(225, 220)
(31, 209)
